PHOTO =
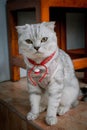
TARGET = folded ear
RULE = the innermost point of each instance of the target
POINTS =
(21, 29)
(50, 25)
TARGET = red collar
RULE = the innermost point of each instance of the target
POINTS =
(44, 61)
(40, 64)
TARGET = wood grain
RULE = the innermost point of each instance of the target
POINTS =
(14, 106)
(13, 44)
(80, 63)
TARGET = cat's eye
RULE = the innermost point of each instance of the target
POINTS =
(44, 39)
(28, 41)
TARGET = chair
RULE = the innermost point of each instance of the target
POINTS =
(43, 10)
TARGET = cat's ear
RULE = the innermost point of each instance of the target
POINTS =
(21, 29)
(50, 25)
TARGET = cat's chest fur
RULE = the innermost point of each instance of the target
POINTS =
(45, 75)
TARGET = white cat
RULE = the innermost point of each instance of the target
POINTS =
(50, 73)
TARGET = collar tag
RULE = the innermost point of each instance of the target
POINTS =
(36, 71)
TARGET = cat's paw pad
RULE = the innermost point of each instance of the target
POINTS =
(31, 116)
(51, 120)
(63, 110)
(42, 108)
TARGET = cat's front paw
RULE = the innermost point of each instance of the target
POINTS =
(50, 120)
(32, 116)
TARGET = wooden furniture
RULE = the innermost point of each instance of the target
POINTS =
(14, 106)
(43, 9)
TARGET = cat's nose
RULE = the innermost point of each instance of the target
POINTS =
(36, 48)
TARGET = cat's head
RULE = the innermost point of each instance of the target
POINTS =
(37, 41)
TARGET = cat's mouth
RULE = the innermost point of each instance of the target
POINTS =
(36, 56)
(38, 53)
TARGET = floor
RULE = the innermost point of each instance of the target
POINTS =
(16, 94)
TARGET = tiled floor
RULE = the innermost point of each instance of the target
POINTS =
(16, 94)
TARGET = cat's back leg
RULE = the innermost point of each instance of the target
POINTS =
(69, 96)
(63, 108)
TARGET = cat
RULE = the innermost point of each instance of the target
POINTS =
(51, 78)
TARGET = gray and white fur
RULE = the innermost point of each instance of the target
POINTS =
(59, 90)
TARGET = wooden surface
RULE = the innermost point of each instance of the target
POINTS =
(13, 45)
(59, 3)
(14, 106)
(80, 63)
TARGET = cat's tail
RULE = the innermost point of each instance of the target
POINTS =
(83, 94)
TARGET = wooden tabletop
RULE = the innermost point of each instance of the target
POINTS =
(14, 100)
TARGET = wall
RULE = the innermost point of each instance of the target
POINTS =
(75, 30)
(4, 60)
